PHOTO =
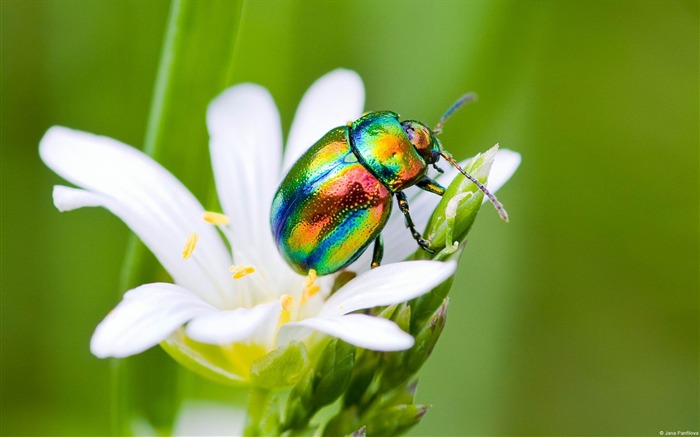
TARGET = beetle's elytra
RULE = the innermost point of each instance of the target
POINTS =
(337, 197)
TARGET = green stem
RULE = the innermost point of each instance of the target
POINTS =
(258, 403)
(195, 65)
(163, 79)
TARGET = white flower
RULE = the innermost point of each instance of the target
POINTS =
(208, 321)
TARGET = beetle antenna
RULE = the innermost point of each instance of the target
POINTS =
(467, 98)
(499, 207)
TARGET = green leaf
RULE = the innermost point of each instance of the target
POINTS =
(280, 368)
(332, 374)
(310, 430)
(363, 373)
(345, 422)
(385, 312)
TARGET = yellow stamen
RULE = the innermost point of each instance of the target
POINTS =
(190, 244)
(241, 271)
(287, 303)
(310, 286)
(215, 218)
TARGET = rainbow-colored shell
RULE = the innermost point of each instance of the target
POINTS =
(337, 197)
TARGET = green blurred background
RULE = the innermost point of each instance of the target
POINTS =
(580, 317)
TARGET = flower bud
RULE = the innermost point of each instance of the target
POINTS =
(402, 395)
(426, 338)
(395, 420)
(332, 374)
(362, 376)
(401, 366)
(402, 317)
(321, 384)
(457, 210)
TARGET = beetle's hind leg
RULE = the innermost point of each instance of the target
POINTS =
(430, 185)
(403, 206)
(378, 252)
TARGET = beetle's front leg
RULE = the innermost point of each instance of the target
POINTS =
(430, 185)
(378, 252)
(403, 206)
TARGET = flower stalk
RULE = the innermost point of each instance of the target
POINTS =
(263, 414)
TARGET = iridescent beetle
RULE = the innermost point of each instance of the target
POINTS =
(337, 197)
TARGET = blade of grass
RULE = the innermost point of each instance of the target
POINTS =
(195, 65)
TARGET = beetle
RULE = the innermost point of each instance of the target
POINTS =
(336, 199)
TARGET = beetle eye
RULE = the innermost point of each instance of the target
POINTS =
(419, 136)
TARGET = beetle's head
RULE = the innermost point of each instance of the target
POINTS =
(423, 139)
(429, 148)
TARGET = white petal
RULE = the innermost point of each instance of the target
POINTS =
(333, 100)
(68, 199)
(145, 317)
(150, 200)
(504, 165)
(223, 327)
(361, 330)
(387, 285)
(246, 150)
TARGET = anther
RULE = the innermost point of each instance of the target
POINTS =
(241, 271)
(310, 286)
(190, 244)
(215, 218)
(287, 302)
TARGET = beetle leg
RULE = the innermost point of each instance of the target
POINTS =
(435, 166)
(431, 185)
(378, 252)
(403, 206)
